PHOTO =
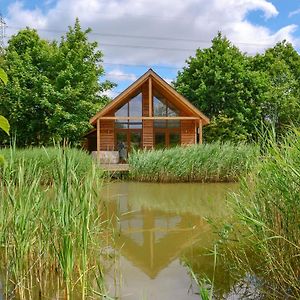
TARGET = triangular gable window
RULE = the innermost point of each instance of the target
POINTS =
(133, 108)
(162, 107)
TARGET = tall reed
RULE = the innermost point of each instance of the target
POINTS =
(199, 163)
(52, 224)
(267, 216)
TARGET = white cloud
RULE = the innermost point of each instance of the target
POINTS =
(295, 12)
(111, 94)
(118, 75)
(190, 23)
(168, 80)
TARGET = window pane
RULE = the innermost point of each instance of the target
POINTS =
(135, 140)
(122, 145)
(121, 124)
(122, 111)
(172, 111)
(173, 123)
(160, 124)
(174, 139)
(135, 124)
(135, 106)
(160, 140)
(159, 107)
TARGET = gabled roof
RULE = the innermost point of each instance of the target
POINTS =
(137, 85)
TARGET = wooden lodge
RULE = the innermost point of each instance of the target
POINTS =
(148, 114)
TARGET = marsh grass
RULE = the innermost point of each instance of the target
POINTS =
(52, 224)
(198, 163)
(267, 215)
(47, 161)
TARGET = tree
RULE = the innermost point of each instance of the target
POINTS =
(281, 66)
(76, 82)
(54, 88)
(26, 98)
(239, 92)
(4, 125)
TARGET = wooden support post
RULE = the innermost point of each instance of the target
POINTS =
(200, 131)
(150, 98)
(195, 132)
(98, 140)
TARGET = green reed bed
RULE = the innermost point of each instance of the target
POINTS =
(199, 163)
(51, 235)
(267, 210)
(47, 160)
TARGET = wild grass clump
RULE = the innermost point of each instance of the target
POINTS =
(47, 160)
(267, 210)
(199, 163)
(51, 235)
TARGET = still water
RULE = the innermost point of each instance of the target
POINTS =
(161, 228)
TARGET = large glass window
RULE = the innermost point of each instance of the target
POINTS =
(174, 139)
(162, 107)
(133, 108)
(160, 140)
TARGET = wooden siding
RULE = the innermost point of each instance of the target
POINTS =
(107, 135)
(148, 134)
(187, 132)
(145, 97)
(147, 140)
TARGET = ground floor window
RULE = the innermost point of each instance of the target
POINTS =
(127, 140)
(165, 138)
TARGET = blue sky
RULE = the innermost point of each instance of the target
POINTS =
(137, 34)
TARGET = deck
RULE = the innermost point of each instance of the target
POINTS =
(115, 167)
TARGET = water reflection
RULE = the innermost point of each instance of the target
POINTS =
(158, 223)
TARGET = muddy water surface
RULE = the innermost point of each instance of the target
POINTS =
(161, 228)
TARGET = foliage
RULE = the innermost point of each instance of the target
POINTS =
(281, 66)
(51, 236)
(3, 76)
(54, 87)
(199, 163)
(4, 125)
(47, 160)
(239, 92)
(267, 212)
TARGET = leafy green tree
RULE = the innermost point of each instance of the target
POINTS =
(281, 67)
(26, 98)
(76, 82)
(4, 125)
(54, 88)
(240, 92)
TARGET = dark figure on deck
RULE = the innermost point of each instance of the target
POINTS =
(122, 152)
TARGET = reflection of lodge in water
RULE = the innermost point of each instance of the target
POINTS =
(152, 238)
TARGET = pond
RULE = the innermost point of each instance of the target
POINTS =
(162, 228)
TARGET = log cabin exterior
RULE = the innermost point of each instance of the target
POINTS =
(149, 114)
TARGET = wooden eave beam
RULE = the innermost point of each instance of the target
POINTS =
(150, 98)
(149, 118)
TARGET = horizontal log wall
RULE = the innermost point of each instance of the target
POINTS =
(148, 134)
(107, 135)
(147, 124)
(187, 132)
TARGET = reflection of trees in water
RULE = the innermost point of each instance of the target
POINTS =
(228, 283)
